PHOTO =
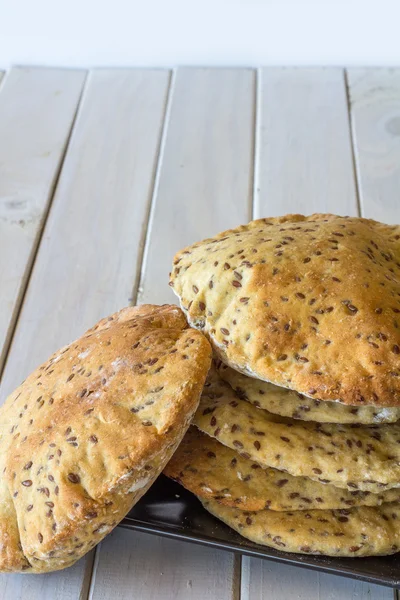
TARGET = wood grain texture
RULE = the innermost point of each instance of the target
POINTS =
(88, 259)
(91, 248)
(309, 100)
(204, 183)
(303, 143)
(375, 116)
(263, 580)
(71, 584)
(142, 566)
(37, 108)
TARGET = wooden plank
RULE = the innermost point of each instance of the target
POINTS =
(303, 140)
(142, 567)
(263, 580)
(303, 117)
(375, 116)
(204, 184)
(87, 263)
(88, 259)
(71, 584)
(37, 108)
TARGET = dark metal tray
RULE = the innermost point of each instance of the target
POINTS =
(169, 510)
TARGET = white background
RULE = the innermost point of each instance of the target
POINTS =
(199, 32)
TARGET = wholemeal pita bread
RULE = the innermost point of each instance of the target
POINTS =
(213, 471)
(356, 457)
(88, 432)
(363, 531)
(308, 303)
(281, 401)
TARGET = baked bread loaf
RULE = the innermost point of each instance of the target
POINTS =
(307, 303)
(362, 531)
(288, 403)
(88, 432)
(214, 471)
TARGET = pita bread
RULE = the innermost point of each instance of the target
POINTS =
(307, 303)
(87, 433)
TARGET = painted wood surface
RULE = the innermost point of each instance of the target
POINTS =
(263, 580)
(91, 247)
(375, 116)
(37, 109)
(87, 263)
(303, 141)
(147, 567)
(205, 177)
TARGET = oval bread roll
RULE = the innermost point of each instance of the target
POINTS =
(307, 303)
(88, 432)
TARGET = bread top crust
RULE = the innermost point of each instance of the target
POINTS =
(308, 303)
(92, 427)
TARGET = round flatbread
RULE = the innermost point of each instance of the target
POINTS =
(213, 471)
(87, 433)
(307, 303)
(356, 457)
(363, 531)
(281, 401)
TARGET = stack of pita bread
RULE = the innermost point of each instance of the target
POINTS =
(296, 442)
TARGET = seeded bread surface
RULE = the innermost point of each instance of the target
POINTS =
(88, 432)
(307, 303)
(363, 531)
(213, 471)
(281, 401)
(353, 457)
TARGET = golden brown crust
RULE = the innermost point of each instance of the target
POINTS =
(287, 403)
(362, 531)
(213, 471)
(86, 434)
(353, 457)
(309, 303)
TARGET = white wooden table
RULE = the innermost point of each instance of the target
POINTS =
(103, 176)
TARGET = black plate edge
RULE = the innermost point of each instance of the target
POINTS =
(289, 559)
